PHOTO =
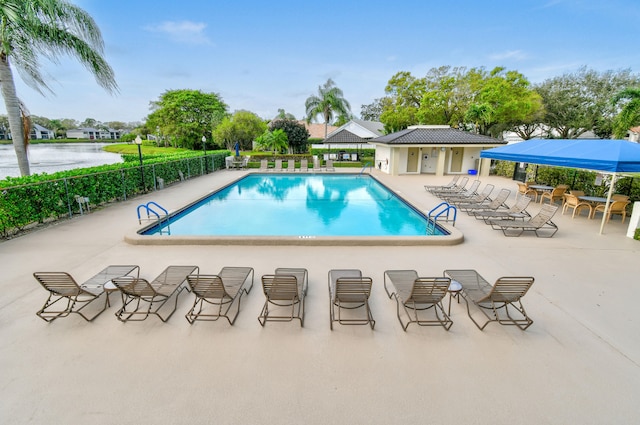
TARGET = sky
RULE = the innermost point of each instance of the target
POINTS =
(262, 56)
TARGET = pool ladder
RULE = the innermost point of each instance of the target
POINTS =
(368, 164)
(149, 208)
(438, 212)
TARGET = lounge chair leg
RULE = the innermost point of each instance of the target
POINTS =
(331, 317)
(471, 317)
(50, 316)
(106, 304)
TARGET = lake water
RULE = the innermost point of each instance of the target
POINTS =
(52, 157)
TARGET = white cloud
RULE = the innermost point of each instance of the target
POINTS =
(182, 31)
(511, 54)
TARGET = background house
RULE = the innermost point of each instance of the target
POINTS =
(433, 149)
(634, 134)
(38, 132)
(364, 129)
(355, 134)
(316, 131)
(94, 134)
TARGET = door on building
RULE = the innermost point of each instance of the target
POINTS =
(456, 160)
(413, 156)
(520, 171)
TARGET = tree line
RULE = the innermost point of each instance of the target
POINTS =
(59, 126)
(492, 102)
(485, 101)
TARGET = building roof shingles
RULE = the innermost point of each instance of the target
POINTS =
(344, 136)
(436, 136)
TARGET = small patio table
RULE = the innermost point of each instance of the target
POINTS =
(593, 199)
(454, 292)
(540, 188)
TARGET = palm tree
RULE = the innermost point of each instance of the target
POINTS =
(630, 113)
(275, 140)
(329, 100)
(33, 28)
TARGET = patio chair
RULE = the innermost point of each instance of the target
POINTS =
(481, 198)
(348, 289)
(571, 201)
(540, 223)
(615, 207)
(66, 296)
(264, 165)
(556, 194)
(618, 197)
(461, 195)
(497, 203)
(498, 301)
(141, 298)
(525, 190)
(458, 187)
(221, 291)
(517, 211)
(278, 166)
(329, 165)
(451, 184)
(416, 295)
(291, 165)
(304, 166)
(228, 162)
(287, 287)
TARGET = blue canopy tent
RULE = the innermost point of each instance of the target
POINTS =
(608, 156)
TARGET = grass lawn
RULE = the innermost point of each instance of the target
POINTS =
(132, 148)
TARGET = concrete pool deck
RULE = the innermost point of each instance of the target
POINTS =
(578, 363)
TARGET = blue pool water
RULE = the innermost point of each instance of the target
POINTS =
(300, 205)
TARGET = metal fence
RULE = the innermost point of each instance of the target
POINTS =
(26, 206)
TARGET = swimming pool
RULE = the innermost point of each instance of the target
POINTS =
(302, 208)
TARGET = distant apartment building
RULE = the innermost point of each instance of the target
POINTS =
(38, 132)
(94, 134)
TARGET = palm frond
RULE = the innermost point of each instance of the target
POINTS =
(51, 29)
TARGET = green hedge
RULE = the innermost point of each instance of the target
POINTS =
(28, 201)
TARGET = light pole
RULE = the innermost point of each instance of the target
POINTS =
(138, 141)
(204, 148)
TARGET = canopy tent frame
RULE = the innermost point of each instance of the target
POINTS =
(603, 155)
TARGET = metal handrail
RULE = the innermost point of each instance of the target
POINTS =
(368, 164)
(150, 210)
(438, 211)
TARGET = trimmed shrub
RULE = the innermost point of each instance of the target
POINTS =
(28, 201)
